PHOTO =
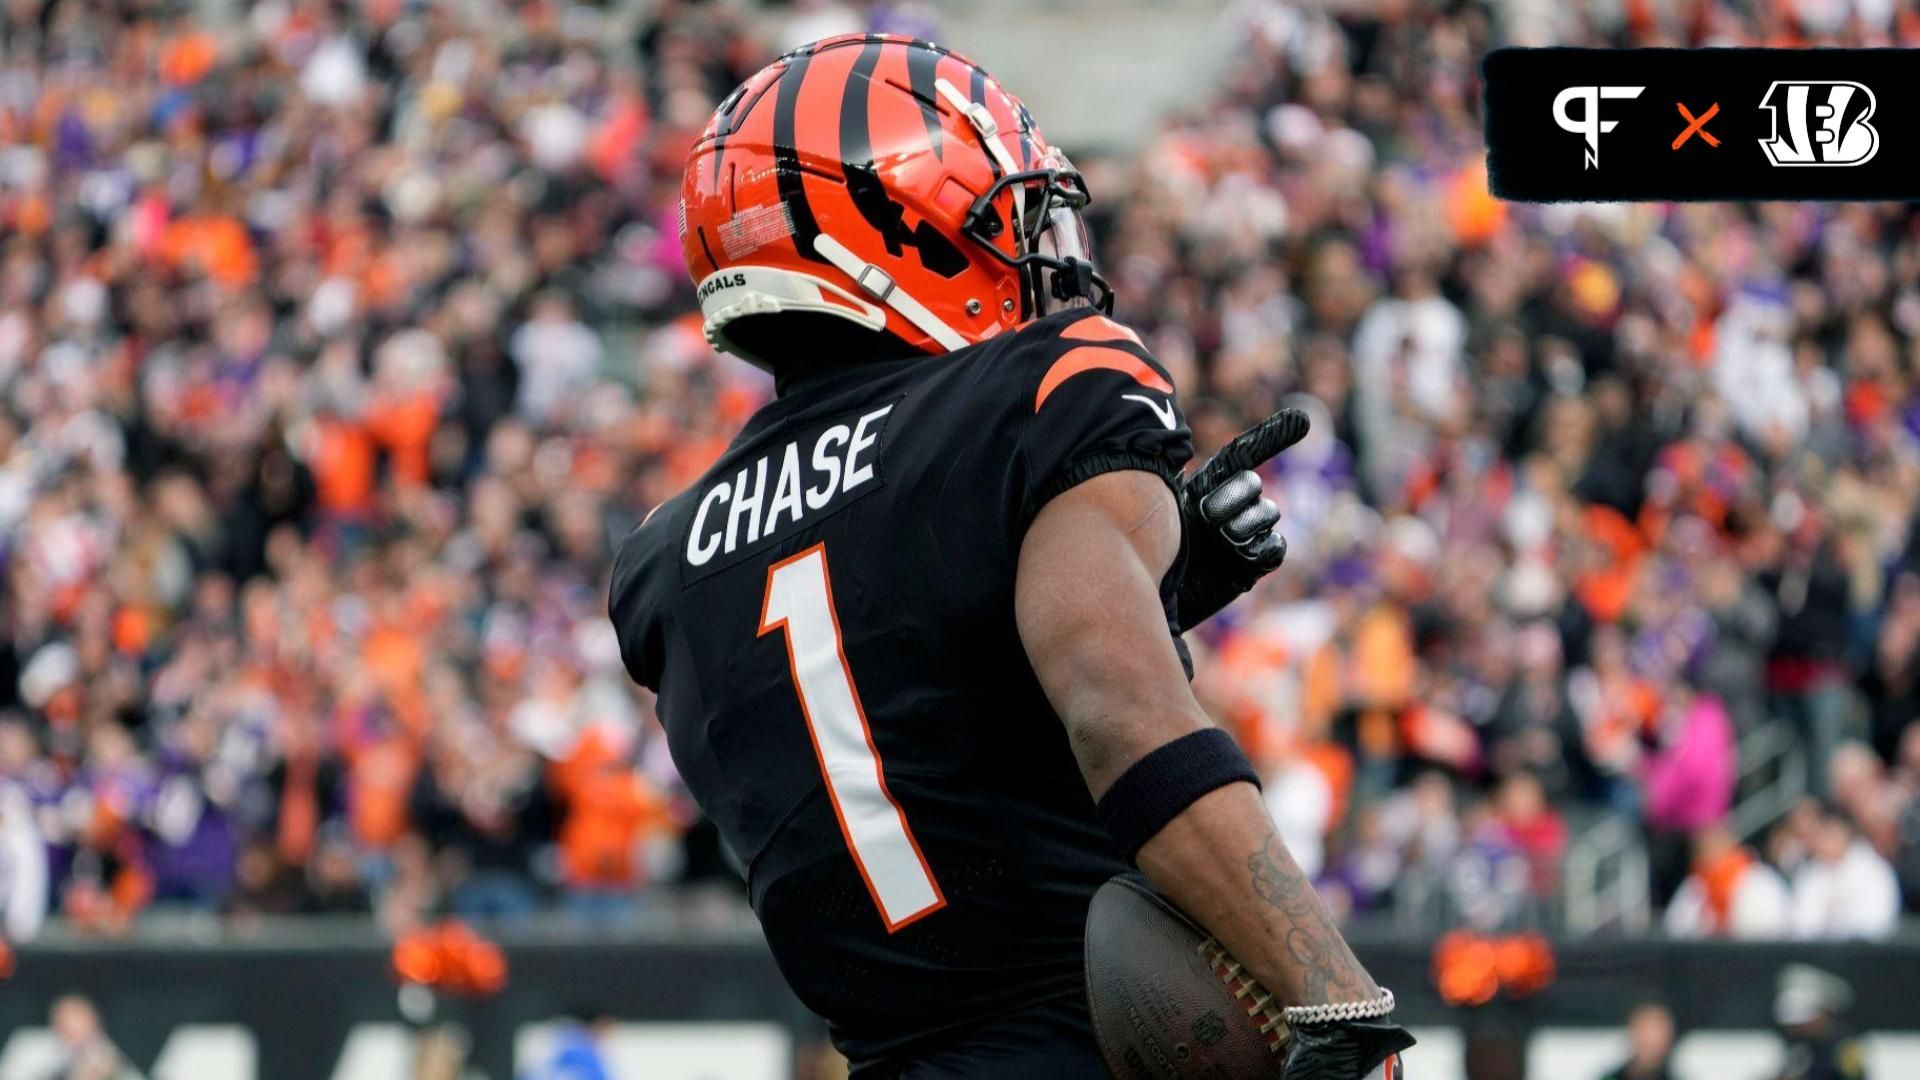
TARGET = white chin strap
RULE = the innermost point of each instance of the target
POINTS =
(876, 283)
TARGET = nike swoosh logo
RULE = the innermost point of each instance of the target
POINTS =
(1161, 409)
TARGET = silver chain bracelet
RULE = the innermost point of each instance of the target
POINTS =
(1296, 1015)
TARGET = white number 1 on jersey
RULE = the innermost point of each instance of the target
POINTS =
(800, 600)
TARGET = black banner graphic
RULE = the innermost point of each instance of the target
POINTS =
(1579, 125)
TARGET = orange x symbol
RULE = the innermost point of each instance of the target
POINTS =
(1697, 125)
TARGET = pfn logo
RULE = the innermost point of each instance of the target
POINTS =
(1589, 125)
(1826, 123)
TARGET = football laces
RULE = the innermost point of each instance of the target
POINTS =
(1260, 1005)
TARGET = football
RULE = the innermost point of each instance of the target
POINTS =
(1168, 1002)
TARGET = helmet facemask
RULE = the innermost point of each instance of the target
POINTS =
(1053, 251)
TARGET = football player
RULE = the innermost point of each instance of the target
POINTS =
(915, 635)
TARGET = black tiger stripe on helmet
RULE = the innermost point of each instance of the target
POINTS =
(786, 156)
(812, 201)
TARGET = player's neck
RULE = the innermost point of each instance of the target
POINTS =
(812, 376)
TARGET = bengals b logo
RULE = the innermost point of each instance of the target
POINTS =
(1820, 123)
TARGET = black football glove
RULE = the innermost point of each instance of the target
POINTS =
(1231, 542)
(1345, 1050)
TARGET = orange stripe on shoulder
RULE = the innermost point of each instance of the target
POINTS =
(1094, 358)
(1100, 328)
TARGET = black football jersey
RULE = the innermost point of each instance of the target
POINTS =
(827, 618)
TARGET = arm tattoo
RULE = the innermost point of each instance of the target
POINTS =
(1325, 968)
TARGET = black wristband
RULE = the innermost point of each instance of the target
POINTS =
(1155, 789)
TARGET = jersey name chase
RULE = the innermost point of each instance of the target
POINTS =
(796, 481)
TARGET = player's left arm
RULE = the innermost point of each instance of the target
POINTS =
(1087, 601)
(1176, 794)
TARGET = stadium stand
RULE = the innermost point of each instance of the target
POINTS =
(339, 343)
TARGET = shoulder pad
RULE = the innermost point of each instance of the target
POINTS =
(1051, 351)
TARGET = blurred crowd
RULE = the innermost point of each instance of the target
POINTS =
(1607, 513)
(336, 343)
(340, 341)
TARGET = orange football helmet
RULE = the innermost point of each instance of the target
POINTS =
(881, 187)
